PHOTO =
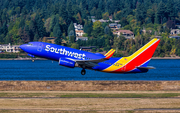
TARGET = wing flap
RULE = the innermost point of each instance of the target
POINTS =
(88, 63)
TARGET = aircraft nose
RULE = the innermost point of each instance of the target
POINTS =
(23, 47)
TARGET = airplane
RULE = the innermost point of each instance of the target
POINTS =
(69, 57)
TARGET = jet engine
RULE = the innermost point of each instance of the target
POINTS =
(67, 62)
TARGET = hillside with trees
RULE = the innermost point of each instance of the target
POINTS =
(22, 21)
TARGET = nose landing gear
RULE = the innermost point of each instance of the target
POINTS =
(83, 72)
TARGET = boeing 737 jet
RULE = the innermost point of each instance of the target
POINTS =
(69, 57)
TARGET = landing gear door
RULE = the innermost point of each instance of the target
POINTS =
(40, 46)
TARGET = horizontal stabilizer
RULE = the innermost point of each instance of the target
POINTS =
(148, 67)
(109, 54)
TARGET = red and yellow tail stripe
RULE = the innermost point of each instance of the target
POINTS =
(126, 64)
(109, 54)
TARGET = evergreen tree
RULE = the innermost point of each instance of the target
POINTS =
(88, 27)
(57, 33)
(107, 30)
(160, 13)
(83, 8)
(69, 8)
(71, 32)
(71, 37)
(64, 14)
(53, 22)
(4, 28)
(98, 14)
(109, 7)
(140, 13)
(36, 37)
(97, 29)
(93, 11)
(32, 30)
(169, 9)
(39, 25)
(101, 6)
(22, 23)
(2, 38)
(164, 20)
(90, 5)
(24, 11)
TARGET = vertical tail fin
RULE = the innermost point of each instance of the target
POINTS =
(144, 54)
(139, 59)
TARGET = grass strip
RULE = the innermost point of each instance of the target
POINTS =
(125, 95)
(92, 95)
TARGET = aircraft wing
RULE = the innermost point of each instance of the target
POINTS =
(94, 62)
(88, 63)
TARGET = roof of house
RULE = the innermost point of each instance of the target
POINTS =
(175, 29)
(89, 47)
(5, 45)
(174, 36)
(79, 31)
(15, 45)
(125, 31)
(113, 24)
(82, 38)
(102, 20)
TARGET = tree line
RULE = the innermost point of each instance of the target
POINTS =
(22, 21)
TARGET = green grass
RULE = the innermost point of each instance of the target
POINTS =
(125, 95)
(92, 95)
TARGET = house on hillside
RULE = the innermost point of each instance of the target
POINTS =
(79, 33)
(175, 31)
(103, 21)
(10, 48)
(115, 26)
(89, 49)
(126, 33)
(49, 39)
(175, 37)
(78, 27)
(159, 37)
(79, 30)
(82, 38)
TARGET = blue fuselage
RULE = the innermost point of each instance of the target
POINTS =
(55, 52)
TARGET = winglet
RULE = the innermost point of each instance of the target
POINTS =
(109, 54)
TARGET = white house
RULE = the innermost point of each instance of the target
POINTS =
(115, 26)
(78, 27)
(10, 48)
(79, 33)
(175, 31)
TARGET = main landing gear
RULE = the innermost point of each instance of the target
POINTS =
(83, 72)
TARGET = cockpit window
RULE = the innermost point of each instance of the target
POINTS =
(30, 44)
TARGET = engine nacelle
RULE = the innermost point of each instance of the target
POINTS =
(67, 62)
